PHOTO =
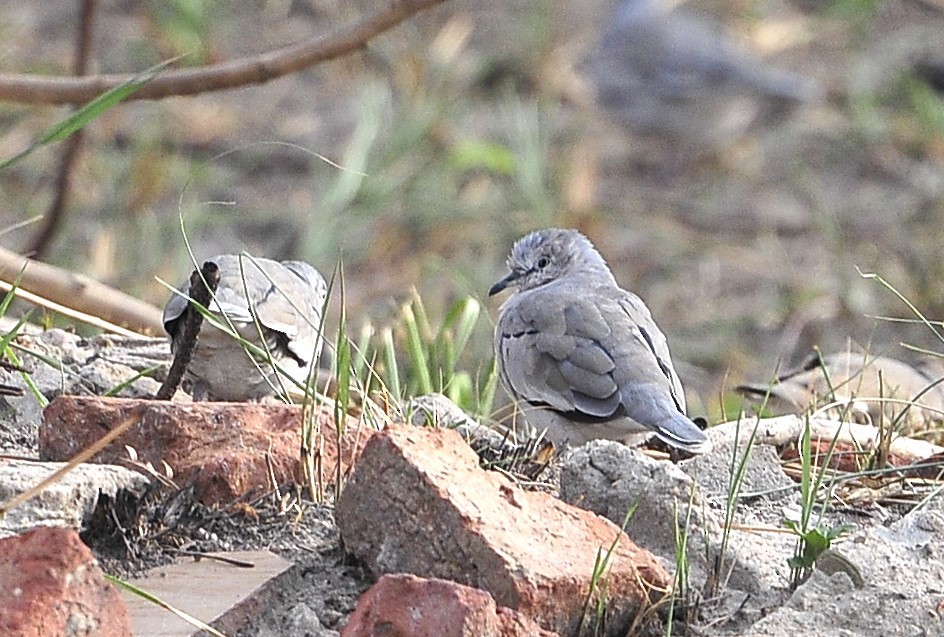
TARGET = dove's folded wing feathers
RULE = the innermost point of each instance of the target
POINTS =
(559, 349)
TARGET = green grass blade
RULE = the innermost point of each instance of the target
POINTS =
(343, 372)
(143, 594)
(901, 297)
(414, 345)
(9, 296)
(422, 317)
(142, 374)
(360, 352)
(80, 117)
(468, 317)
(487, 393)
(390, 364)
(807, 496)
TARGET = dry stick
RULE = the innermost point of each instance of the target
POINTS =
(94, 321)
(80, 293)
(257, 69)
(203, 555)
(203, 285)
(52, 220)
(76, 460)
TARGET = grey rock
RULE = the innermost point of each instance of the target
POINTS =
(302, 621)
(58, 362)
(610, 479)
(902, 587)
(762, 474)
(67, 502)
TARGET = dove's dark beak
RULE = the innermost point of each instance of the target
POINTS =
(504, 283)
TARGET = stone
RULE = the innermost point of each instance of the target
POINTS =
(610, 479)
(762, 470)
(224, 449)
(50, 584)
(94, 365)
(69, 501)
(304, 622)
(417, 502)
(19, 416)
(410, 606)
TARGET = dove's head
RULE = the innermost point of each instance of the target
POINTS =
(547, 255)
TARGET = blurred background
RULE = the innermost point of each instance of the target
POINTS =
(473, 123)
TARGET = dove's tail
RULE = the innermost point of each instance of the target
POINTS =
(679, 431)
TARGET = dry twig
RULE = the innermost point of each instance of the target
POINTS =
(80, 293)
(203, 285)
(54, 216)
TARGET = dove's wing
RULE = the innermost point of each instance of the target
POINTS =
(592, 354)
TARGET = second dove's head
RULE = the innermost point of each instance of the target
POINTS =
(547, 255)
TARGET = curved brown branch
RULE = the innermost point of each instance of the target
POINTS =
(36, 89)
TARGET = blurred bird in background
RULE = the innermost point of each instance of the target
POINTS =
(658, 71)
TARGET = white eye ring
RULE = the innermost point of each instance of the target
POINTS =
(543, 262)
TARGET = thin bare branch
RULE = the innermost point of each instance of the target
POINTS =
(53, 218)
(257, 69)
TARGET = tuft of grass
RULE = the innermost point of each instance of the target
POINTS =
(420, 358)
(812, 539)
(717, 578)
(597, 597)
(343, 373)
(682, 592)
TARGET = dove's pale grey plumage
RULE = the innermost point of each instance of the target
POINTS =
(581, 356)
(286, 298)
(659, 71)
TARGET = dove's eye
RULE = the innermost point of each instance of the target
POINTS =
(543, 262)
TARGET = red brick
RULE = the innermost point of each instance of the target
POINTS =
(220, 447)
(410, 606)
(417, 502)
(51, 585)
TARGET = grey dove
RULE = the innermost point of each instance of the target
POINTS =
(876, 386)
(581, 356)
(286, 298)
(659, 71)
